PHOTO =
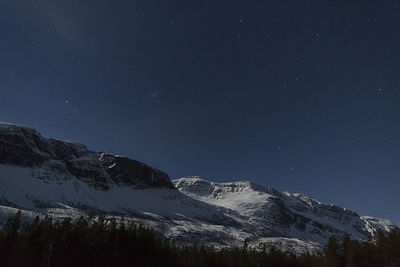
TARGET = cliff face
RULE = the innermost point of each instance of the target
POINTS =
(58, 160)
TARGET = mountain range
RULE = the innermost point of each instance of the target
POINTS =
(43, 176)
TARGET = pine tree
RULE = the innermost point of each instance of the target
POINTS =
(332, 252)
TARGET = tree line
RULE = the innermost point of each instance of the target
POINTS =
(102, 241)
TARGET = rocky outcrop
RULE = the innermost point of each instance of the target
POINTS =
(55, 160)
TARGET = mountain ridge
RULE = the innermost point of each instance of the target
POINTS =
(26, 147)
(49, 176)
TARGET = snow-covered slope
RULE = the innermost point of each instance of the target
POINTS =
(47, 176)
(283, 214)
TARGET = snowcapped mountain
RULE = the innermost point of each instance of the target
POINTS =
(47, 176)
(280, 214)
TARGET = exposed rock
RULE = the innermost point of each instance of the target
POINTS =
(58, 160)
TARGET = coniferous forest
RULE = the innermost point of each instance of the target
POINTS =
(104, 242)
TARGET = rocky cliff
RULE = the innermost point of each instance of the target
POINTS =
(59, 161)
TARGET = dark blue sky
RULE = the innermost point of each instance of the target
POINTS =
(298, 95)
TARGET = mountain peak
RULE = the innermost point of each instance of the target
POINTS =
(282, 214)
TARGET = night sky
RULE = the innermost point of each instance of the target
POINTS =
(302, 96)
